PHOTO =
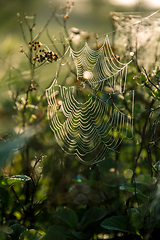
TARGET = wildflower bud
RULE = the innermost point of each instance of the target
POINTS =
(66, 16)
(22, 51)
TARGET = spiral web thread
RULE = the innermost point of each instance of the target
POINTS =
(89, 123)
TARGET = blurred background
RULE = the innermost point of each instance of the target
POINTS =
(88, 15)
(91, 10)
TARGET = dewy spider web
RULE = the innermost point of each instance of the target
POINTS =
(86, 117)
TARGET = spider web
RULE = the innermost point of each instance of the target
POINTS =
(133, 33)
(88, 117)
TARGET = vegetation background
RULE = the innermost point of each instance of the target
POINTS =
(44, 193)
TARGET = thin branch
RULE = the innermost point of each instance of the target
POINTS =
(45, 26)
(24, 108)
(53, 42)
(17, 198)
(142, 142)
(145, 72)
(20, 23)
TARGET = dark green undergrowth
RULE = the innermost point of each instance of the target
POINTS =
(45, 193)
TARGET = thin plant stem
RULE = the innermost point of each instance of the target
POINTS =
(45, 26)
(18, 198)
(142, 142)
(145, 72)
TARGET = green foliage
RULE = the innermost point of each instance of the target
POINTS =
(136, 218)
(117, 223)
(17, 229)
(30, 235)
(57, 232)
(46, 194)
(8, 181)
(93, 215)
(67, 216)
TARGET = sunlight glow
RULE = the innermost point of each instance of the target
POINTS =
(124, 2)
(153, 3)
(148, 3)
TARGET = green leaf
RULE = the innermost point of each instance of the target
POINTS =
(55, 232)
(136, 221)
(67, 215)
(77, 235)
(8, 147)
(141, 79)
(118, 223)
(130, 188)
(4, 236)
(93, 215)
(7, 181)
(144, 179)
(17, 230)
(156, 94)
(158, 72)
(30, 235)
